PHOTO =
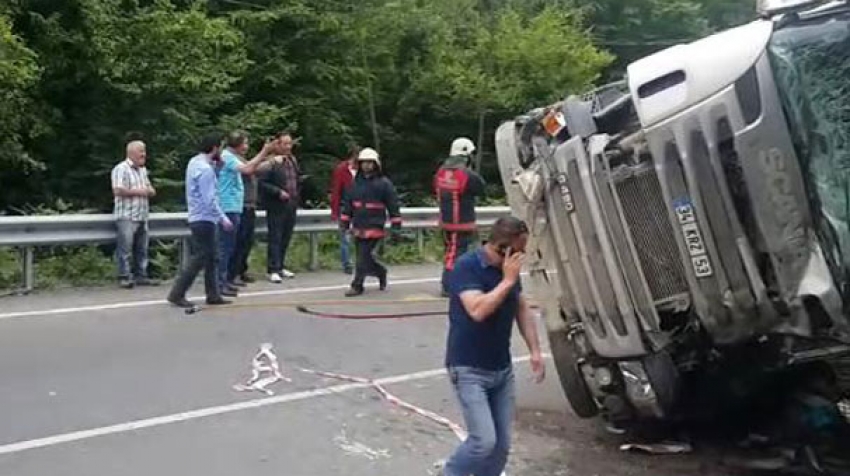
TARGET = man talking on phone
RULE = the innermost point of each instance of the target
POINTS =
(485, 298)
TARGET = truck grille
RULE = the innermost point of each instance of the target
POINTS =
(651, 230)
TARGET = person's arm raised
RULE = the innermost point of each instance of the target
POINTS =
(250, 167)
(481, 306)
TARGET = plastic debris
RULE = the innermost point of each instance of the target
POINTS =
(359, 449)
(844, 409)
(265, 370)
(668, 448)
(438, 468)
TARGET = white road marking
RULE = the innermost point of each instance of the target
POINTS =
(212, 411)
(155, 302)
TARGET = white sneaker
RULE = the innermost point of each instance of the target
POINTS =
(287, 274)
(275, 278)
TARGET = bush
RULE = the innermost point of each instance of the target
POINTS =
(78, 266)
(10, 269)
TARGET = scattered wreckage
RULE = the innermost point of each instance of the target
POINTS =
(690, 241)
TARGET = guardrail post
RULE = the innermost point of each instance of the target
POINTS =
(28, 268)
(185, 253)
(314, 251)
(420, 240)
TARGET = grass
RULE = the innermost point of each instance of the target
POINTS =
(65, 266)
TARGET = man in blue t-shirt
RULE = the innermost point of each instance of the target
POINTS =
(485, 299)
(231, 196)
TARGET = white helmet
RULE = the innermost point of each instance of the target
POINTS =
(369, 154)
(462, 146)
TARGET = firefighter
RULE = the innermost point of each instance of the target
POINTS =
(366, 205)
(457, 187)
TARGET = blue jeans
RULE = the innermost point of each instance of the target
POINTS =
(344, 249)
(487, 401)
(132, 239)
(227, 247)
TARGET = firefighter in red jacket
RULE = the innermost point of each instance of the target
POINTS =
(342, 178)
(457, 187)
(366, 205)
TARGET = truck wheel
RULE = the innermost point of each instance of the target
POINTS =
(572, 381)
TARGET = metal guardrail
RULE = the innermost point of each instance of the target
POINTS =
(28, 232)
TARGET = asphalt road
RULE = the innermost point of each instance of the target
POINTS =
(112, 382)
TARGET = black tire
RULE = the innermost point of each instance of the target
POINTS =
(841, 369)
(572, 381)
(664, 378)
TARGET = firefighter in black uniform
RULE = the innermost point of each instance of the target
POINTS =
(457, 187)
(365, 206)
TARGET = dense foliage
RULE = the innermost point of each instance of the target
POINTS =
(78, 76)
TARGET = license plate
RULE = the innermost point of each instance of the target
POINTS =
(685, 213)
(693, 238)
(702, 266)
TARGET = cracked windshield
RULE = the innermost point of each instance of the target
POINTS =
(812, 64)
(430, 238)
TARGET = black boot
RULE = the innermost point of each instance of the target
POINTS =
(354, 291)
(382, 281)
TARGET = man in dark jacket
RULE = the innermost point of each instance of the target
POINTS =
(365, 207)
(457, 187)
(279, 187)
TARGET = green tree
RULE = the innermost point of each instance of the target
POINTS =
(725, 13)
(403, 75)
(306, 76)
(19, 125)
(113, 66)
(632, 29)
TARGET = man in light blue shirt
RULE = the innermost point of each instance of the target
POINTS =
(231, 194)
(205, 214)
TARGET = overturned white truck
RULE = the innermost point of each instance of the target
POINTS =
(690, 241)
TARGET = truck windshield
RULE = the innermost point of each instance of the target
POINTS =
(811, 64)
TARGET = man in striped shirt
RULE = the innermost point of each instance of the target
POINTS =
(132, 189)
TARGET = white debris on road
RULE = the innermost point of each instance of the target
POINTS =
(265, 371)
(668, 448)
(359, 449)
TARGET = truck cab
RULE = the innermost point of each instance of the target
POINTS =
(689, 224)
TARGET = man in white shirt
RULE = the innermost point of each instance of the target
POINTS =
(132, 190)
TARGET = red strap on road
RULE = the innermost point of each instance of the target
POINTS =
(365, 317)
